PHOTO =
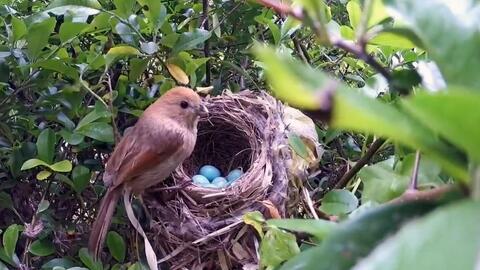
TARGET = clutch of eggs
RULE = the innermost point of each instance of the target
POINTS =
(210, 176)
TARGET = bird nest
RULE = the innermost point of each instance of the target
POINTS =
(201, 228)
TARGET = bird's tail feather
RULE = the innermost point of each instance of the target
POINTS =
(102, 222)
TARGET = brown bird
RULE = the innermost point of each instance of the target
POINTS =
(163, 137)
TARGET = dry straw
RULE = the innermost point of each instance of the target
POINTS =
(202, 228)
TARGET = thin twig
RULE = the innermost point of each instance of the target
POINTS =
(206, 46)
(360, 163)
(414, 179)
(116, 134)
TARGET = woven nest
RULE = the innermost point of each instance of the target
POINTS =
(202, 228)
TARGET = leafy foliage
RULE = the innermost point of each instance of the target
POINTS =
(75, 74)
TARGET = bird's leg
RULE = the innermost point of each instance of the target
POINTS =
(147, 215)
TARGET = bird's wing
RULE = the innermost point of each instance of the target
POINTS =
(140, 150)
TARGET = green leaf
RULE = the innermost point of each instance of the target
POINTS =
(347, 109)
(70, 30)
(42, 248)
(37, 37)
(81, 177)
(99, 131)
(62, 262)
(337, 202)
(46, 145)
(62, 166)
(398, 38)
(455, 115)
(10, 238)
(354, 238)
(290, 80)
(119, 52)
(298, 145)
(42, 175)
(58, 66)
(42, 206)
(418, 245)
(381, 183)
(116, 246)
(137, 67)
(19, 29)
(354, 13)
(32, 163)
(353, 111)
(88, 260)
(98, 113)
(450, 35)
(125, 7)
(190, 40)
(77, 7)
(317, 228)
(72, 138)
(256, 220)
(155, 11)
(276, 247)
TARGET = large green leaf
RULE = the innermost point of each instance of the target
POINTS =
(69, 30)
(448, 238)
(32, 163)
(42, 247)
(88, 260)
(292, 81)
(277, 246)
(449, 32)
(37, 37)
(81, 177)
(356, 237)
(10, 238)
(79, 7)
(318, 228)
(455, 115)
(338, 202)
(155, 11)
(119, 52)
(99, 112)
(98, 131)
(58, 66)
(46, 145)
(116, 246)
(190, 40)
(19, 29)
(346, 108)
(125, 7)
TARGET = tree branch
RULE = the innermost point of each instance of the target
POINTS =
(360, 163)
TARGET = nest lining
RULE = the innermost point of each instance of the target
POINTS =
(195, 227)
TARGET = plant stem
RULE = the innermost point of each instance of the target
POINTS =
(414, 179)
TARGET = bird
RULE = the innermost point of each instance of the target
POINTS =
(162, 138)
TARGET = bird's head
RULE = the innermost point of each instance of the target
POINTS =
(181, 104)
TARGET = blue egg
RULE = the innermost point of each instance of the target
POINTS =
(210, 172)
(234, 175)
(220, 182)
(200, 180)
(209, 185)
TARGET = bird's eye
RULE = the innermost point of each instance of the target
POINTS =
(184, 104)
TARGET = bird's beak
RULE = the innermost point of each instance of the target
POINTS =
(202, 110)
